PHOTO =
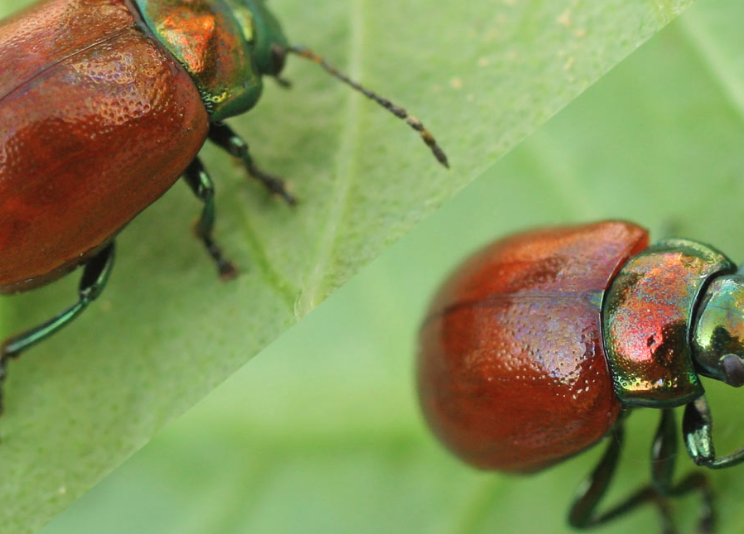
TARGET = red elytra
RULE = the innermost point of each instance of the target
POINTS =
(512, 373)
(102, 122)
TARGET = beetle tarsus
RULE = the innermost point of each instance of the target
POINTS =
(227, 270)
(225, 267)
(276, 186)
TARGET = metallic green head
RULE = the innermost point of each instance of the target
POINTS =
(718, 336)
(269, 46)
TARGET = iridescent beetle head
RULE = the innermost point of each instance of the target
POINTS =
(718, 336)
(269, 45)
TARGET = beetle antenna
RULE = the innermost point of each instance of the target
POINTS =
(398, 111)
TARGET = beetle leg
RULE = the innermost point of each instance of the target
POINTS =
(583, 513)
(95, 276)
(697, 428)
(226, 138)
(203, 187)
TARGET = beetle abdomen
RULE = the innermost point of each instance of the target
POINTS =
(512, 373)
(97, 123)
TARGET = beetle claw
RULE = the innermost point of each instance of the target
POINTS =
(276, 186)
(227, 270)
(283, 82)
(282, 192)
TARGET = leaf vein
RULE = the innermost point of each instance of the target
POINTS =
(344, 176)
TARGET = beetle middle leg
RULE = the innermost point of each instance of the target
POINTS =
(225, 137)
(95, 275)
(203, 187)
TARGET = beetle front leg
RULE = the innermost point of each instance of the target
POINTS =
(95, 275)
(226, 138)
(203, 187)
(697, 428)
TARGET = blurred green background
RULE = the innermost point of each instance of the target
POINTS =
(321, 432)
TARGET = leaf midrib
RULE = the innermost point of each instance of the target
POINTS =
(343, 169)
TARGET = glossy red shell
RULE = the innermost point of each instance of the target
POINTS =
(97, 121)
(512, 372)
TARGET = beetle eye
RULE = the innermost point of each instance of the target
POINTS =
(734, 369)
(278, 57)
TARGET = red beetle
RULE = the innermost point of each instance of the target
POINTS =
(104, 104)
(537, 347)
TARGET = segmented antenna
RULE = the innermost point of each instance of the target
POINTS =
(398, 111)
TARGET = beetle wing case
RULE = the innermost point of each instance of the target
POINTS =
(98, 121)
(512, 373)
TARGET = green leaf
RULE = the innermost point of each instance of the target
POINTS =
(480, 74)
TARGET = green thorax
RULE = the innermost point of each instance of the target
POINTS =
(225, 45)
(648, 317)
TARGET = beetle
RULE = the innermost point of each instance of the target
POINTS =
(538, 347)
(104, 104)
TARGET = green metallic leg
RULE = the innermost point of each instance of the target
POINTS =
(663, 454)
(226, 138)
(95, 276)
(203, 187)
(697, 428)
